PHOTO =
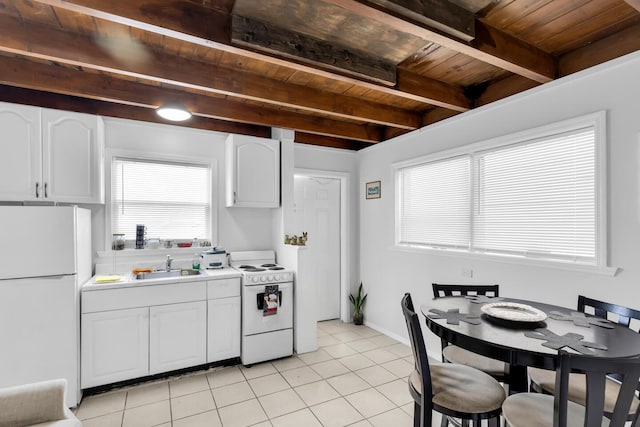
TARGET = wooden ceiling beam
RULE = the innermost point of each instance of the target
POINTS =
(634, 4)
(614, 46)
(503, 88)
(38, 98)
(436, 114)
(55, 45)
(210, 27)
(415, 83)
(69, 81)
(489, 45)
(270, 38)
(327, 141)
(441, 15)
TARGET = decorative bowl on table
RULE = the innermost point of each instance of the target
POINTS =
(513, 311)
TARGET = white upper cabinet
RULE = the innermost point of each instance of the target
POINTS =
(253, 172)
(50, 155)
(72, 156)
(20, 152)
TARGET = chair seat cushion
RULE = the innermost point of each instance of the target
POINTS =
(546, 380)
(461, 389)
(455, 354)
(536, 410)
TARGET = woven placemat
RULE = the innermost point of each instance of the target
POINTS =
(454, 316)
(482, 299)
(570, 340)
(580, 319)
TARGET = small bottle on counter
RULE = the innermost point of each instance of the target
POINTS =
(195, 263)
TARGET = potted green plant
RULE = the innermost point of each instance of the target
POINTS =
(358, 303)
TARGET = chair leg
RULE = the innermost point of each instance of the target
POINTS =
(417, 414)
(494, 422)
(445, 421)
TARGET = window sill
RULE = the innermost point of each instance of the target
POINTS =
(132, 253)
(559, 265)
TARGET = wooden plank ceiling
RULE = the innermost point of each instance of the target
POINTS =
(341, 73)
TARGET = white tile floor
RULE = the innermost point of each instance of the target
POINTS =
(357, 378)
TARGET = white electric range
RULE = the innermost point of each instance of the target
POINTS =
(267, 306)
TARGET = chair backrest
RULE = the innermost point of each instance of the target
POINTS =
(604, 309)
(440, 290)
(596, 369)
(419, 351)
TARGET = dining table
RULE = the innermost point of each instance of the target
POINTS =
(525, 333)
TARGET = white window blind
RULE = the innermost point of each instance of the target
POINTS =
(435, 203)
(538, 198)
(538, 194)
(171, 199)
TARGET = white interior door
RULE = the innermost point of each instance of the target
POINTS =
(317, 211)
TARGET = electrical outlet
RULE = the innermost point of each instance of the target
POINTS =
(466, 272)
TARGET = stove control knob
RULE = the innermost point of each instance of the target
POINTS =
(276, 277)
(270, 278)
(263, 278)
(254, 279)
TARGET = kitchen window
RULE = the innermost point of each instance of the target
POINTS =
(534, 195)
(172, 199)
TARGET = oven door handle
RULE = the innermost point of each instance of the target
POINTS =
(260, 300)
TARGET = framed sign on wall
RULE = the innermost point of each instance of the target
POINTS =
(373, 190)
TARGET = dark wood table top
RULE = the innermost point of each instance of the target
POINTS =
(505, 340)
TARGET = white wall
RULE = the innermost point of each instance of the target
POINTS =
(387, 272)
(238, 228)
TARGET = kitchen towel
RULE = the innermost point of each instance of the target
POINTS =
(107, 278)
(270, 305)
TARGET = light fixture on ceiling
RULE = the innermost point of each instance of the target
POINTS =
(175, 113)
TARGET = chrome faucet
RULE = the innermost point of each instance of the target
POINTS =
(168, 266)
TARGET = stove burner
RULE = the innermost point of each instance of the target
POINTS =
(246, 266)
(254, 269)
(276, 268)
(268, 265)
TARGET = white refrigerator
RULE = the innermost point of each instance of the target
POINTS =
(45, 255)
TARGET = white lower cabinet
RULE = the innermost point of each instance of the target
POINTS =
(133, 332)
(223, 329)
(114, 346)
(177, 336)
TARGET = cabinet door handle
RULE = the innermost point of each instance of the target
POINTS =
(234, 198)
(45, 190)
(37, 190)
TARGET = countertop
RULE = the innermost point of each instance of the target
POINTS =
(127, 281)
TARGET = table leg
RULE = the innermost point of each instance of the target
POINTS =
(518, 379)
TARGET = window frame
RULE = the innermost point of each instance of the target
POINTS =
(112, 154)
(598, 120)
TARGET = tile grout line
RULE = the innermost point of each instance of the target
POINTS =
(341, 329)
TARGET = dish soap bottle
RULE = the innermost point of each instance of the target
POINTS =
(195, 263)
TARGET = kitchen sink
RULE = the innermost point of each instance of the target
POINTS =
(162, 274)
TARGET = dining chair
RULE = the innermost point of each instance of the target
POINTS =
(451, 389)
(541, 410)
(544, 381)
(454, 354)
